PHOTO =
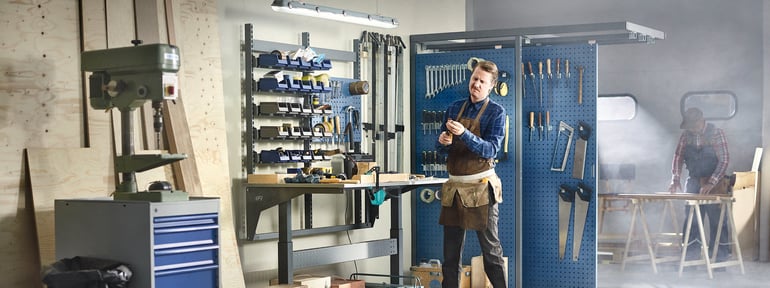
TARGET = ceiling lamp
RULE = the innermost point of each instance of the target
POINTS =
(307, 9)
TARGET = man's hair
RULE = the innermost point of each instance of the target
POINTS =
(489, 67)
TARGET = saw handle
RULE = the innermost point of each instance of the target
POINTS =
(584, 192)
(566, 193)
(584, 130)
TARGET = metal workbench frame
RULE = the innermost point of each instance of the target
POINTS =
(259, 197)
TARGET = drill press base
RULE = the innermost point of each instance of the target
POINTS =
(153, 196)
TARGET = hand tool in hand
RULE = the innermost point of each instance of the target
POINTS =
(584, 132)
(566, 197)
(584, 194)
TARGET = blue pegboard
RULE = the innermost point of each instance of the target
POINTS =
(542, 267)
(541, 264)
(428, 233)
(340, 98)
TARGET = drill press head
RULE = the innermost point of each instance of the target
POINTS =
(125, 78)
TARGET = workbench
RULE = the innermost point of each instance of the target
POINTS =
(694, 201)
(259, 197)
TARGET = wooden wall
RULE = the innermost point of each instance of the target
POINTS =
(43, 109)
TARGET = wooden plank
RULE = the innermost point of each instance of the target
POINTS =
(18, 243)
(203, 94)
(52, 176)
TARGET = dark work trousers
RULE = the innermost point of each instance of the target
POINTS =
(454, 241)
(710, 212)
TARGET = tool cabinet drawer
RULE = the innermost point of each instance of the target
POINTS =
(194, 277)
(182, 231)
(186, 257)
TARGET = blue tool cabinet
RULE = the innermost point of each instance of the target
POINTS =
(166, 244)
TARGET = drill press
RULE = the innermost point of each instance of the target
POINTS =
(126, 78)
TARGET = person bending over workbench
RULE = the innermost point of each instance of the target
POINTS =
(702, 148)
(473, 130)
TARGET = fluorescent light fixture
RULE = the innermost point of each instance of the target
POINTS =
(307, 9)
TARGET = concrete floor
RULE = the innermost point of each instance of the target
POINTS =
(640, 275)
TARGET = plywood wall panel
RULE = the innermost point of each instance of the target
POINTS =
(53, 176)
(197, 34)
(40, 105)
(40, 92)
(17, 233)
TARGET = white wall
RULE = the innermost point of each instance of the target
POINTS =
(415, 17)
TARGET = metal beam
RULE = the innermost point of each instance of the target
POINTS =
(343, 253)
(601, 33)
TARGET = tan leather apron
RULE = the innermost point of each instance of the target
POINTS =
(465, 203)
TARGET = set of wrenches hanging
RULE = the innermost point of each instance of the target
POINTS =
(440, 77)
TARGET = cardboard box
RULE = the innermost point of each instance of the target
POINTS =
(267, 178)
(432, 276)
(309, 281)
(479, 279)
(364, 166)
(348, 283)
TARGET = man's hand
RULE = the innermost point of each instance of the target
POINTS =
(454, 127)
(674, 187)
(445, 138)
(706, 189)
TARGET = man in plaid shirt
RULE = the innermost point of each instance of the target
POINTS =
(702, 149)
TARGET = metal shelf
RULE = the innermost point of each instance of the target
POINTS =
(610, 33)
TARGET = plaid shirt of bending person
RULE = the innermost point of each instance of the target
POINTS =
(718, 142)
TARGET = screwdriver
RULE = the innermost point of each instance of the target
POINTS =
(540, 124)
(531, 124)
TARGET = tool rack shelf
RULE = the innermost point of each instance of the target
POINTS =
(265, 55)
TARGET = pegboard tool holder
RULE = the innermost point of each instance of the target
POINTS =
(597, 33)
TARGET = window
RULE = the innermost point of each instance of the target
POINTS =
(615, 107)
(716, 105)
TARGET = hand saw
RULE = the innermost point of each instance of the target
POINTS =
(566, 197)
(584, 194)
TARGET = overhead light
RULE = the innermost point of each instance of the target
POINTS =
(307, 9)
